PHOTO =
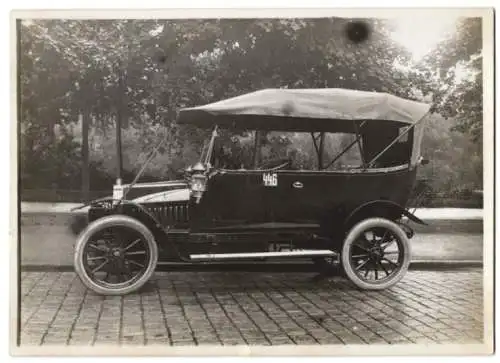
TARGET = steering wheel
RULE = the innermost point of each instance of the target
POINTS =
(282, 166)
(278, 167)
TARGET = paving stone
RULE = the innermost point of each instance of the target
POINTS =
(220, 308)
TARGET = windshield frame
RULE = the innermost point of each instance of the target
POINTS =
(206, 156)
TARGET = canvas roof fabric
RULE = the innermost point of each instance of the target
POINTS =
(326, 109)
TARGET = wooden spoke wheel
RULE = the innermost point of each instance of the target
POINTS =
(376, 254)
(115, 255)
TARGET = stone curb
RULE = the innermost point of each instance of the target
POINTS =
(426, 214)
(270, 266)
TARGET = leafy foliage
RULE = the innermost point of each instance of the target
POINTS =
(452, 75)
(456, 164)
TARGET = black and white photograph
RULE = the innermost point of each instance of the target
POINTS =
(259, 182)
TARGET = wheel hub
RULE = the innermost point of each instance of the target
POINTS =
(376, 253)
(117, 253)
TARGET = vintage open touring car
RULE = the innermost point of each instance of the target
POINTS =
(352, 215)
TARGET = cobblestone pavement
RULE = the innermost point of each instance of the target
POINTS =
(188, 308)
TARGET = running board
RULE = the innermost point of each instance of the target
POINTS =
(230, 256)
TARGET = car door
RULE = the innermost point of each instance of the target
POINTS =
(297, 197)
(233, 198)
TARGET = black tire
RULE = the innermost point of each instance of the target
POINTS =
(135, 240)
(358, 252)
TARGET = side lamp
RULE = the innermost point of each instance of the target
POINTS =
(187, 172)
(198, 182)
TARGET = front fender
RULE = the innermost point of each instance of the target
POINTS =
(127, 207)
(109, 206)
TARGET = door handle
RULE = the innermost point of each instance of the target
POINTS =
(298, 185)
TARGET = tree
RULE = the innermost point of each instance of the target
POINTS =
(96, 56)
(452, 75)
(300, 53)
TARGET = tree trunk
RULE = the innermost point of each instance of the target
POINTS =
(119, 124)
(123, 103)
(85, 156)
(256, 149)
(119, 166)
(321, 150)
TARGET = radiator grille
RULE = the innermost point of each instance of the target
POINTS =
(170, 214)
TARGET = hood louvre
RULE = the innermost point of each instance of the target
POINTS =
(172, 214)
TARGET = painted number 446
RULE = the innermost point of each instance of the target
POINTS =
(270, 179)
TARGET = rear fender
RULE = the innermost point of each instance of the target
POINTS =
(380, 208)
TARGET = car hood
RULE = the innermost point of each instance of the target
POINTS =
(147, 190)
(177, 195)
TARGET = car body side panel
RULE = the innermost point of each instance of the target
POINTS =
(239, 198)
(309, 197)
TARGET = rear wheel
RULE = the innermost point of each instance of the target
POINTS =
(115, 255)
(376, 254)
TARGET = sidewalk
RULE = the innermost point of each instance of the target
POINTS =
(40, 207)
(449, 214)
(422, 213)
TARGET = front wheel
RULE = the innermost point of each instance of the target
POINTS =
(115, 255)
(376, 254)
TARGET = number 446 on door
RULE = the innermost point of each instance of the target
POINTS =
(270, 179)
